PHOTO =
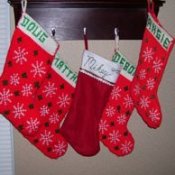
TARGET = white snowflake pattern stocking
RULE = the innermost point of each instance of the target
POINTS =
(52, 103)
(156, 47)
(113, 131)
(29, 57)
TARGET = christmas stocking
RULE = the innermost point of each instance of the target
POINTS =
(113, 129)
(52, 104)
(29, 57)
(156, 47)
(95, 81)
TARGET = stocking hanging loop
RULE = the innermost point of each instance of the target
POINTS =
(150, 5)
(24, 5)
(116, 33)
(85, 38)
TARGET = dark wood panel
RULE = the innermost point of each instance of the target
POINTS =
(83, 3)
(100, 17)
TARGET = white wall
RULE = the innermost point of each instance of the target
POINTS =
(154, 152)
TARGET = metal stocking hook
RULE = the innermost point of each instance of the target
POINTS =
(116, 33)
(53, 31)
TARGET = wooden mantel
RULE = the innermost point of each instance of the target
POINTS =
(69, 17)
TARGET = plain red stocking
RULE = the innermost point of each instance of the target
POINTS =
(95, 81)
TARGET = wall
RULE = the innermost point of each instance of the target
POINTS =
(154, 149)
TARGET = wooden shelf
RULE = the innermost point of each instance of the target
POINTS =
(69, 17)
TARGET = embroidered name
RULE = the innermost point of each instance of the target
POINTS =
(32, 27)
(120, 59)
(94, 66)
(158, 33)
(62, 69)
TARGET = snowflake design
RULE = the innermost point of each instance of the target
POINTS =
(44, 110)
(14, 79)
(103, 126)
(137, 89)
(32, 125)
(64, 100)
(19, 110)
(5, 97)
(157, 65)
(110, 111)
(116, 92)
(50, 89)
(20, 55)
(121, 119)
(126, 147)
(148, 54)
(142, 74)
(27, 90)
(150, 84)
(154, 115)
(46, 138)
(54, 118)
(38, 69)
(144, 102)
(114, 136)
(128, 102)
(60, 148)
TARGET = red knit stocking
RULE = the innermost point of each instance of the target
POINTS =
(52, 104)
(30, 55)
(113, 124)
(156, 47)
(95, 82)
